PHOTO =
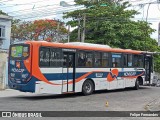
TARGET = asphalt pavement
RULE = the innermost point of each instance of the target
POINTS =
(147, 98)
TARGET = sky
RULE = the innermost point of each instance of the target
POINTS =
(153, 16)
(42, 9)
(33, 9)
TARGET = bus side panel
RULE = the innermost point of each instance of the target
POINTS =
(129, 82)
(98, 75)
(42, 87)
(126, 77)
(53, 75)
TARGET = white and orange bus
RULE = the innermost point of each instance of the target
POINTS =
(57, 68)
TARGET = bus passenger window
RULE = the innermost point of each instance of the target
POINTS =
(70, 61)
(44, 57)
(129, 60)
(98, 59)
(65, 61)
(55, 58)
(89, 59)
(81, 59)
(116, 60)
(105, 60)
(125, 60)
(85, 59)
(138, 61)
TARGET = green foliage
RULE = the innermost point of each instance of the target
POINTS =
(3, 13)
(113, 25)
(157, 63)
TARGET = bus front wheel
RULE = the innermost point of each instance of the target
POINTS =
(88, 87)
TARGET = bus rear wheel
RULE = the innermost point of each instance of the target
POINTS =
(136, 87)
(88, 87)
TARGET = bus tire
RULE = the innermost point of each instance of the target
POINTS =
(88, 87)
(136, 87)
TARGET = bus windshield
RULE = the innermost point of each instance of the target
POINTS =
(19, 51)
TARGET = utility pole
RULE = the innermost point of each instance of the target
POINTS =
(79, 29)
(58, 24)
(68, 33)
(84, 28)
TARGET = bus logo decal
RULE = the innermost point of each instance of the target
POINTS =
(99, 74)
(129, 73)
(112, 75)
(18, 65)
(17, 70)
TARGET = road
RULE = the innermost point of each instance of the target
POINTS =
(118, 100)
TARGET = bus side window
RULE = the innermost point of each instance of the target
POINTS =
(55, 58)
(65, 61)
(105, 60)
(89, 59)
(98, 59)
(127, 60)
(116, 60)
(52, 58)
(138, 61)
(44, 55)
(70, 61)
(81, 59)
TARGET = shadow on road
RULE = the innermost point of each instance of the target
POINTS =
(73, 95)
(120, 90)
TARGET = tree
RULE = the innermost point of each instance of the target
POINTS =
(109, 22)
(3, 13)
(50, 30)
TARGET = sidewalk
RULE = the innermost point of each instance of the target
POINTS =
(11, 93)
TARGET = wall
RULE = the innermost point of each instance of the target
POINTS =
(6, 41)
(3, 69)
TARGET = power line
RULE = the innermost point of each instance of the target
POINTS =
(24, 10)
(44, 6)
(6, 1)
(135, 0)
(13, 5)
(62, 11)
(39, 12)
(49, 14)
(155, 2)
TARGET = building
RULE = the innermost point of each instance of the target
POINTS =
(5, 31)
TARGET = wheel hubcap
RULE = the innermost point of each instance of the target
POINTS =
(88, 87)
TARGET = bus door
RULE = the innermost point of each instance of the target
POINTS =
(148, 68)
(68, 72)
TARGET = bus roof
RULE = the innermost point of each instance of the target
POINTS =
(84, 46)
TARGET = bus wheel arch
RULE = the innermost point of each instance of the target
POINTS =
(140, 79)
(88, 87)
